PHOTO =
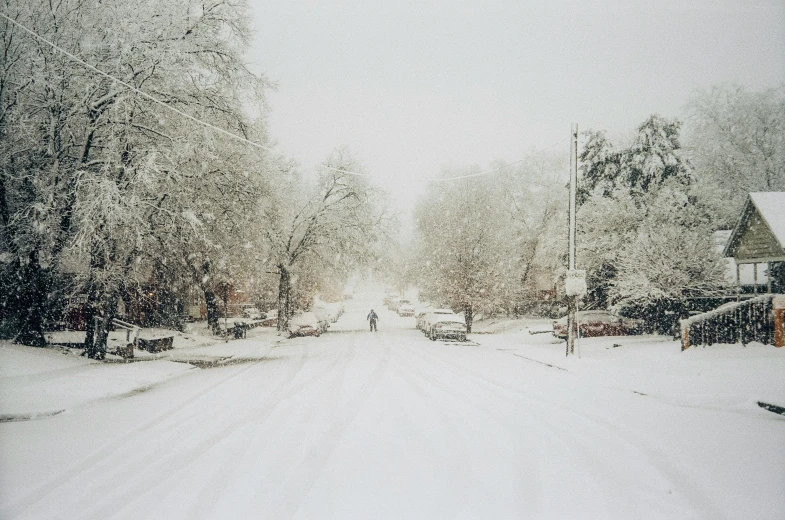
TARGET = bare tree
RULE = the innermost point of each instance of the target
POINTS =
(330, 223)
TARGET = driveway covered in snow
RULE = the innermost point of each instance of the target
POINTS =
(391, 425)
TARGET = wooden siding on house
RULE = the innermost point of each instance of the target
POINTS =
(756, 243)
(757, 237)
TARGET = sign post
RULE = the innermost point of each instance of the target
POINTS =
(572, 299)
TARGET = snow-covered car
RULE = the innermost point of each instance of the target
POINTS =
(398, 302)
(334, 311)
(323, 318)
(406, 309)
(252, 312)
(419, 315)
(305, 324)
(599, 323)
(271, 318)
(447, 326)
(430, 317)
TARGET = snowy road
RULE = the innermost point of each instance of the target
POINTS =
(390, 425)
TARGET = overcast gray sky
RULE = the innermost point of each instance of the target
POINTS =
(412, 86)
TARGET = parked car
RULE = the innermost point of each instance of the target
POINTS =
(599, 323)
(271, 318)
(252, 312)
(389, 296)
(429, 317)
(323, 318)
(447, 326)
(305, 324)
(334, 311)
(406, 309)
(419, 315)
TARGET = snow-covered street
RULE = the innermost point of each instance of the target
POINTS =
(392, 425)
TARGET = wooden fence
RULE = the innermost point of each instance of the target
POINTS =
(758, 319)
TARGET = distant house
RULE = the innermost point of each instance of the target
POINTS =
(759, 234)
(758, 238)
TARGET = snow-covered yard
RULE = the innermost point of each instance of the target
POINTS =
(391, 425)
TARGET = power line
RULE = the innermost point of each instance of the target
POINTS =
(134, 89)
(444, 179)
(492, 170)
(221, 130)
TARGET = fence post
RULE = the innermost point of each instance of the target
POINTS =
(685, 336)
(778, 306)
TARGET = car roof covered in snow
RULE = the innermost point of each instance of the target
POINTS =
(444, 318)
(306, 318)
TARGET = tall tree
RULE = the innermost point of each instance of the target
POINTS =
(93, 152)
(322, 225)
(736, 141)
(646, 237)
(465, 258)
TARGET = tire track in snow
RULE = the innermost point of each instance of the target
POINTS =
(456, 419)
(253, 441)
(251, 429)
(309, 470)
(106, 449)
(122, 449)
(146, 487)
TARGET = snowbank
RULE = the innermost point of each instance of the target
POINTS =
(47, 381)
(732, 377)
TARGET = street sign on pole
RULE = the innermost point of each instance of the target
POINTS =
(575, 283)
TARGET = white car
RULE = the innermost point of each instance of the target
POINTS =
(431, 316)
(420, 313)
(447, 326)
(323, 317)
(406, 309)
(252, 312)
(305, 324)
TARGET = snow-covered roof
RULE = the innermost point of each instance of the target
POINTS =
(771, 206)
(759, 234)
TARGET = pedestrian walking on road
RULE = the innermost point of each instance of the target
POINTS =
(372, 317)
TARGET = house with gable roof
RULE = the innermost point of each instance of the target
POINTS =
(757, 238)
(759, 234)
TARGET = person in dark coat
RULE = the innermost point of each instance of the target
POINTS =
(372, 317)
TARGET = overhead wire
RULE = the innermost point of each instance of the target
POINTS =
(222, 130)
(492, 170)
(133, 88)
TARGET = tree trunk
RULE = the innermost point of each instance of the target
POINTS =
(94, 296)
(102, 334)
(284, 298)
(32, 300)
(91, 313)
(468, 316)
(212, 309)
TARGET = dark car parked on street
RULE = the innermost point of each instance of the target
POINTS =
(599, 323)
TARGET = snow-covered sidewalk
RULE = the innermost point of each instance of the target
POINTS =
(731, 377)
(37, 382)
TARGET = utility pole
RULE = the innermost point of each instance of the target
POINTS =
(572, 296)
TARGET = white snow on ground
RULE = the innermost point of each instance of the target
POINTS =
(195, 335)
(357, 424)
(36, 382)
